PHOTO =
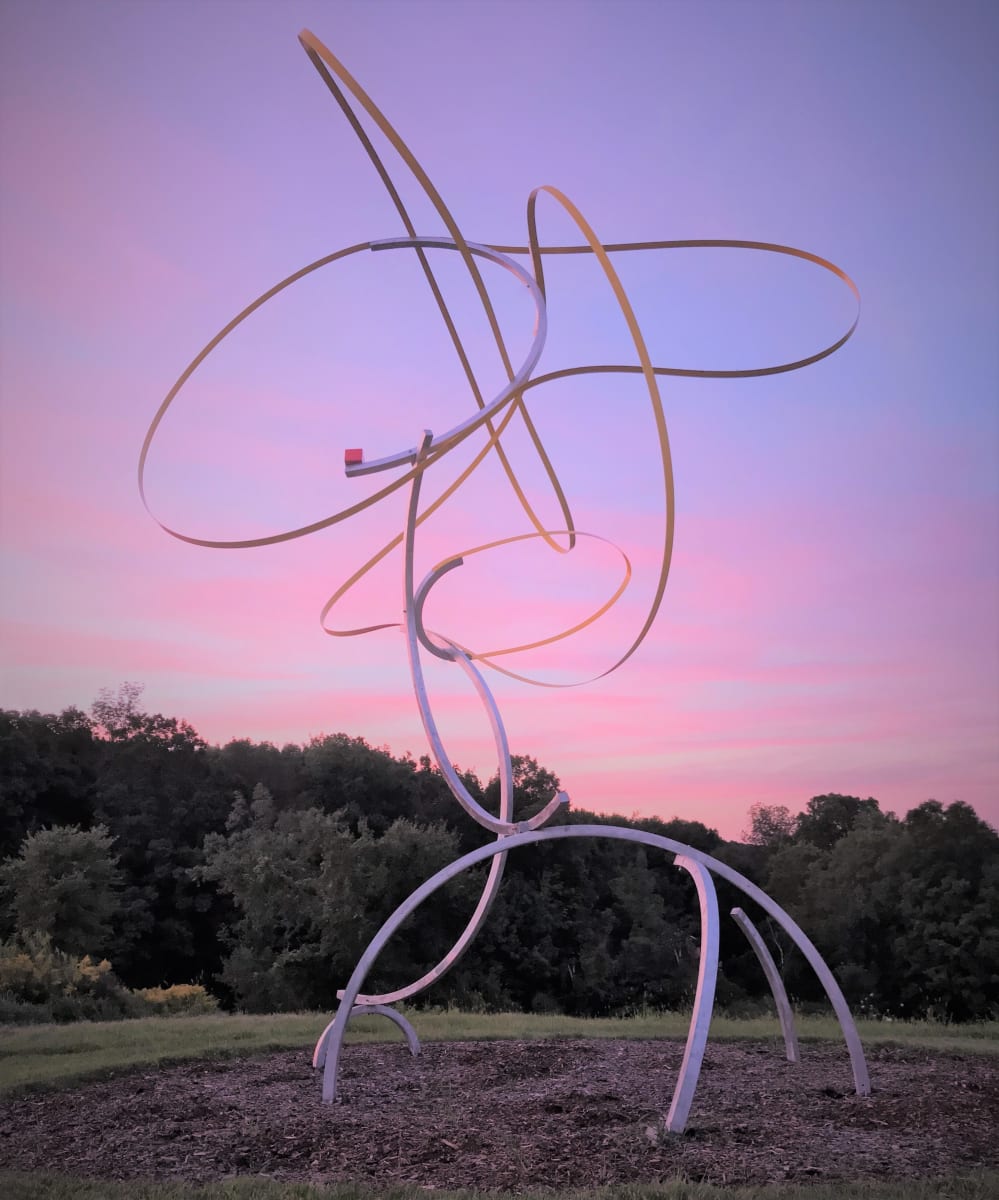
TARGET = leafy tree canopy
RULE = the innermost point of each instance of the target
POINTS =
(828, 818)
(64, 885)
(263, 872)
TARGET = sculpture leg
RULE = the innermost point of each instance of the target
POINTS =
(367, 1010)
(704, 999)
(775, 981)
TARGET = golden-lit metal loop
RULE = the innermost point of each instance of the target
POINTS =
(484, 656)
(270, 539)
(537, 253)
(446, 443)
(659, 416)
(493, 416)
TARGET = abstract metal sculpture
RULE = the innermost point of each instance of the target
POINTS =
(494, 416)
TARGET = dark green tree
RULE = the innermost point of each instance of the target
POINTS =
(64, 885)
(770, 825)
(159, 791)
(308, 894)
(828, 818)
(48, 769)
(946, 887)
(533, 787)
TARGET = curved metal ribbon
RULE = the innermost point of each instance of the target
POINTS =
(511, 399)
(496, 414)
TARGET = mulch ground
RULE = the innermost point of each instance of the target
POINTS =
(516, 1115)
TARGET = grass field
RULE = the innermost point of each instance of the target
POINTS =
(37, 1056)
(48, 1056)
(981, 1186)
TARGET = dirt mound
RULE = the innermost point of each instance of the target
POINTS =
(512, 1115)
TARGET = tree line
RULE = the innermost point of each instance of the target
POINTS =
(262, 873)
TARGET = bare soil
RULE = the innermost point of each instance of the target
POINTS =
(514, 1115)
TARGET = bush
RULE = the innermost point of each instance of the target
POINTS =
(59, 986)
(40, 984)
(179, 1000)
(17, 1012)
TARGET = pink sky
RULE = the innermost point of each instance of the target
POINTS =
(832, 617)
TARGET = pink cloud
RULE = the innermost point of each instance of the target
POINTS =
(29, 646)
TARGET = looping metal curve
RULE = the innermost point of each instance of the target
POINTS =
(494, 415)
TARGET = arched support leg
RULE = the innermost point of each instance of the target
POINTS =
(322, 1042)
(368, 1010)
(333, 1038)
(776, 983)
(475, 922)
(704, 1000)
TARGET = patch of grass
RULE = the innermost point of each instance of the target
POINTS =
(16, 1186)
(53, 1055)
(451, 1025)
(37, 1056)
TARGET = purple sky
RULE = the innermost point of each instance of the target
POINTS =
(832, 617)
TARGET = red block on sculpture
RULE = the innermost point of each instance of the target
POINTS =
(353, 458)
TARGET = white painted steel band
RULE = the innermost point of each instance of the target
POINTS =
(406, 458)
(777, 988)
(704, 997)
(329, 1045)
